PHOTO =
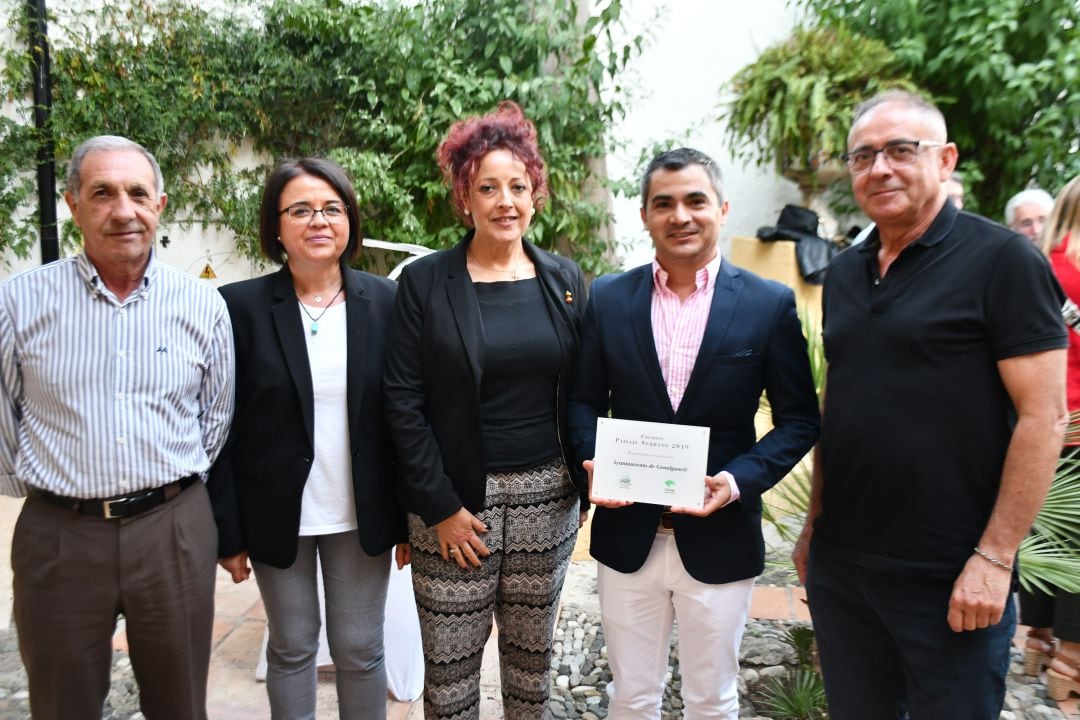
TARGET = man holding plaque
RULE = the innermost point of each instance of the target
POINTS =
(688, 340)
(944, 411)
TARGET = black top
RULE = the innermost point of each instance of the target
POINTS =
(521, 372)
(434, 371)
(917, 419)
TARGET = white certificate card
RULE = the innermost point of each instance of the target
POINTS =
(658, 463)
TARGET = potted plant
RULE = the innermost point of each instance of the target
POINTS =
(792, 106)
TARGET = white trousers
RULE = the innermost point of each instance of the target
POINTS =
(637, 610)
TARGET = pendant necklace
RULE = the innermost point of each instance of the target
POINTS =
(315, 320)
(512, 272)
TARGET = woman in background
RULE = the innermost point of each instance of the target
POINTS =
(1058, 615)
(481, 357)
(308, 469)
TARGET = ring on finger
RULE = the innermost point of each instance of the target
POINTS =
(453, 551)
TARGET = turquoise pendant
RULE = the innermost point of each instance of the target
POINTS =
(314, 327)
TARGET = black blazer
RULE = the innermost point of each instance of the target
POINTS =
(433, 373)
(753, 342)
(257, 483)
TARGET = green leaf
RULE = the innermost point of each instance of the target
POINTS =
(373, 85)
(1003, 73)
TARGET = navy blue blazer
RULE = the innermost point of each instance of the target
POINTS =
(258, 481)
(753, 343)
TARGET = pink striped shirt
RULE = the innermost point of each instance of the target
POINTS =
(678, 329)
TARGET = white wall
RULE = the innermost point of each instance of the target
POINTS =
(696, 46)
(188, 249)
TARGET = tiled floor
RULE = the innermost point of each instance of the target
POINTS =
(238, 630)
(779, 603)
(233, 692)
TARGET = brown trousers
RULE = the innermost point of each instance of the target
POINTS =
(75, 574)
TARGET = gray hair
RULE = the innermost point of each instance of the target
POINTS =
(678, 159)
(1031, 196)
(107, 142)
(901, 97)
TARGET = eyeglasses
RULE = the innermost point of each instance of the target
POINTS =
(302, 214)
(898, 153)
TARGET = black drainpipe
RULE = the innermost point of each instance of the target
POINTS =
(46, 162)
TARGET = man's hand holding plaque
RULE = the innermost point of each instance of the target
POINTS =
(601, 501)
(717, 495)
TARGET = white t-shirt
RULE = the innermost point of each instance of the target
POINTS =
(328, 506)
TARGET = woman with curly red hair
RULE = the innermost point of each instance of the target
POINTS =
(482, 350)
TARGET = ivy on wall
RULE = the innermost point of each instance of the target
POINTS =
(372, 85)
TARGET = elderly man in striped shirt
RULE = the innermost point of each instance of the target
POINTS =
(116, 392)
(689, 339)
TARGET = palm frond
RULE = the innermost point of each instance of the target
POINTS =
(799, 696)
(1048, 566)
(1059, 517)
(1049, 557)
(787, 502)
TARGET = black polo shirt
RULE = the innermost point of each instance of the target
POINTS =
(917, 420)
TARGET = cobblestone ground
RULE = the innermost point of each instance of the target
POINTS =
(122, 704)
(580, 672)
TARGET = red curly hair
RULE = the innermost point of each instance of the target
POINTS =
(469, 140)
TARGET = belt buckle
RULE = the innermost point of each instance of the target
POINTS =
(669, 529)
(107, 506)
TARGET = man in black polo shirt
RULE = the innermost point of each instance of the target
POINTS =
(943, 422)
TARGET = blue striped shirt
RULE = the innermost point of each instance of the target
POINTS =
(101, 397)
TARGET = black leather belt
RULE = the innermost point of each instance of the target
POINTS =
(666, 524)
(121, 506)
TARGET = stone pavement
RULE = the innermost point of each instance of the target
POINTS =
(239, 623)
(234, 693)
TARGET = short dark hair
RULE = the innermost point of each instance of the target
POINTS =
(270, 213)
(677, 159)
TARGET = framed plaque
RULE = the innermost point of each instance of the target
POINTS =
(648, 462)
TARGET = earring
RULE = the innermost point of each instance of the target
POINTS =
(467, 211)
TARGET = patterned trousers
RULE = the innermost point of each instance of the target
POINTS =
(531, 516)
